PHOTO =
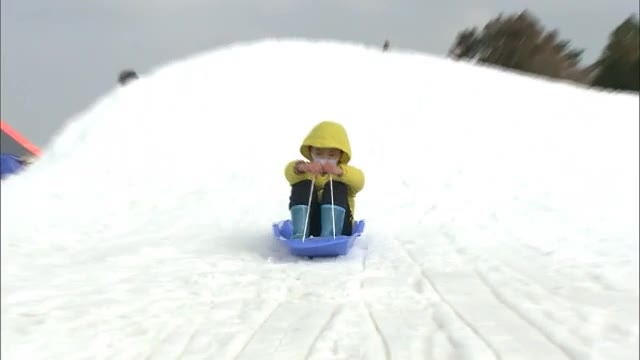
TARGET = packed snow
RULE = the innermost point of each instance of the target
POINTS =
(501, 209)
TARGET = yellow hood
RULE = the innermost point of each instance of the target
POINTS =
(327, 134)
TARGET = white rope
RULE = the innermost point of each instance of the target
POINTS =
(306, 221)
(333, 211)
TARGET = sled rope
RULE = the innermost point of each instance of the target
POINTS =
(333, 208)
(306, 221)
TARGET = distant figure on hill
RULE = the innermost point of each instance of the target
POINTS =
(126, 76)
(385, 47)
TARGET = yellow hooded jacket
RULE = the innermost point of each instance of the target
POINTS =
(328, 134)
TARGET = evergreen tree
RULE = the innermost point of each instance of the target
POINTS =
(619, 63)
(518, 42)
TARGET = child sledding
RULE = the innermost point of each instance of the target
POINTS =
(322, 199)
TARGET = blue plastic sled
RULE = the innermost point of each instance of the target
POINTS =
(9, 164)
(316, 246)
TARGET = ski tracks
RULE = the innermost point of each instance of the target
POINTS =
(404, 304)
(401, 300)
(290, 331)
(411, 320)
(502, 329)
(584, 323)
(381, 336)
(513, 307)
(321, 315)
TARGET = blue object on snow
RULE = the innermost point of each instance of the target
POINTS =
(327, 225)
(316, 246)
(9, 164)
(298, 218)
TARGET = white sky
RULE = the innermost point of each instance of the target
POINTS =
(58, 56)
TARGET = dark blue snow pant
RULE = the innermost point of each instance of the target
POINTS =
(300, 196)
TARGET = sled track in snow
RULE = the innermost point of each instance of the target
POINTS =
(396, 303)
(383, 339)
(435, 289)
(289, 330)
(456, 289)
(507, 304)
(565, 320)
(504, 301)
(576, 294)
(322, 330)
(256, 330)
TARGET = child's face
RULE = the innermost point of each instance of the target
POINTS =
(326, 153)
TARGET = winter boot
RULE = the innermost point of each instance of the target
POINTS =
(328, 213)
(298, 219)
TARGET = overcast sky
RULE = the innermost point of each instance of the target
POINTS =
(58, 56)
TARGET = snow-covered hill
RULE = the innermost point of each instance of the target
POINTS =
(502, 216)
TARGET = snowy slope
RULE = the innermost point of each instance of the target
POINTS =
(502, 216)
